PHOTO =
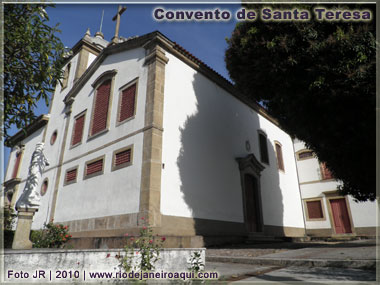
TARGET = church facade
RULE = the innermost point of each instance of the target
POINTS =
(141, 130)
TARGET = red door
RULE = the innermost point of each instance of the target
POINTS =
(340, 216)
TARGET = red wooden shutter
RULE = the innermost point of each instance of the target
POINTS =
(314, 209)
(71, 175)
(127, 106)
(122, 157)
(99, 119)
(326, 173)
(280, 161)
(17, 164)
(94, 167)
(78, 130)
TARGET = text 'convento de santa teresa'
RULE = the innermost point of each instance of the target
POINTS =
(265, 14)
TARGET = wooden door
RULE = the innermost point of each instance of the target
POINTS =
(252, 206)
(340, 215)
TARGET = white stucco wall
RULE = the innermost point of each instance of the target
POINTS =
(113, 192)
(205, 130)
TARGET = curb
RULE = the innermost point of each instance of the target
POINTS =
(357, 264)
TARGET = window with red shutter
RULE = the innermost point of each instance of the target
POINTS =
(314, 209)
(100, 113)
(94, 168)
(122, 158)
(17, 164)
(78, 130)
(326, 173)
(280, 161)
(71, 176)
(127, 103)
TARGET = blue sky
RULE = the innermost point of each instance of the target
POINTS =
(205, 40)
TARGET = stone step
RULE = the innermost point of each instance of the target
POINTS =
(261, 238)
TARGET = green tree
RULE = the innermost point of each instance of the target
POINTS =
(33, 57)
(318, 79)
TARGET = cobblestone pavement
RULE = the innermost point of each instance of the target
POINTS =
(245, 252)
(254, 250)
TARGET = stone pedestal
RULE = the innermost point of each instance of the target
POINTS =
(24, 225)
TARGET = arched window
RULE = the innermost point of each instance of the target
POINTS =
(101, 107)
(280, 160)
(305, 154)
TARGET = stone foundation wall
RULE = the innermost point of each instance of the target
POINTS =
(52, 264)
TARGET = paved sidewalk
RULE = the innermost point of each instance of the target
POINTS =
(313, 261)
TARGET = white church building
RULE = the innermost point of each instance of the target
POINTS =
(141, 128)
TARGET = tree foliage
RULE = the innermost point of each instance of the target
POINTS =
(33, 57)
(318, 79)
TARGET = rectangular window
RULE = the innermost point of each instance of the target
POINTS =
(280, 161)
(94, 167)
(326, 173)
(100, 113)
(78, 130)
(127, 103)
(122, 158)
(263, 149)
(314, 209)
(17, 164)
(71, 176)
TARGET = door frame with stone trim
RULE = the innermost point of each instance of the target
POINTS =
(333, 195)
(250, 166)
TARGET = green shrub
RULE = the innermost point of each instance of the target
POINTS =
(51, 236)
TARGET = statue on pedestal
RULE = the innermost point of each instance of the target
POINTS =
(29, 201)
(30, 197)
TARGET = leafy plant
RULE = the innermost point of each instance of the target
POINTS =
(7, 226)
(33, 59)
(196, 262)
(8, 218)
(146, 248)
(52, 236)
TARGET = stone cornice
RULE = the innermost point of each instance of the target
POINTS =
(38, 123)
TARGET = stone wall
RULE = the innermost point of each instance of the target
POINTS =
(50, 264)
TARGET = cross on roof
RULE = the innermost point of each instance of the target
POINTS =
(120, 11)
